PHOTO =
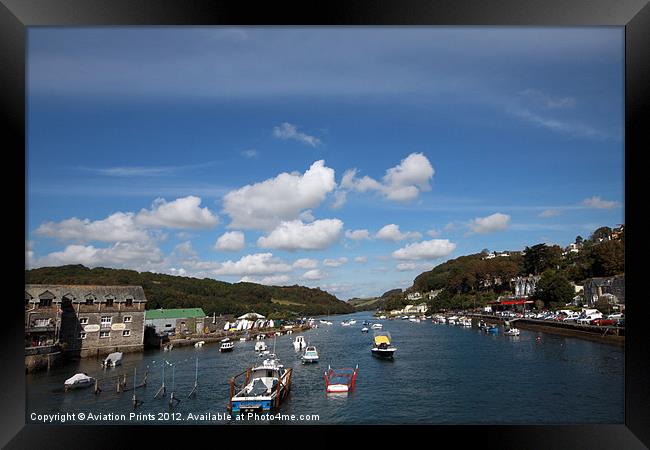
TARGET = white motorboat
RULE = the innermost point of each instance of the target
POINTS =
(512, 332)
(352, 322)
(226, 345)
(299, 343)
(365, 330)
(377, 326)
(310, 355)
(413, 319)
(199, 344)
(112, 360)
(345, 323)
(260, 346)
(452, 320)
(79, 380)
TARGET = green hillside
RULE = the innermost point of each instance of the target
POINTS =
(167, 291)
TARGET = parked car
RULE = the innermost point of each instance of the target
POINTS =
(603, 322)
(588, 318)
(621, 322)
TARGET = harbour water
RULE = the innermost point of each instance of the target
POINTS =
(441, 374)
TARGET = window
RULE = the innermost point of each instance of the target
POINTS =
(109, 302)
(129, 302)
(127, 319)
(90, 300)
(104, 334)
(126, 333)
(168, 325)
(45, 303)
(82, 335)
(83, 320)
(41, 322)
(106, 321)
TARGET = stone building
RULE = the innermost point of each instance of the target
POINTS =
(85, 320)
(610, 288)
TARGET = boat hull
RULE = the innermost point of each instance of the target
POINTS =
(227, 349)
(383, 353)
(242, 406)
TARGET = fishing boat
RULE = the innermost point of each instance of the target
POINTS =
(299, 343)
(79, 380)
(260, 346)
(226, 345)
(382, 345)
(340, 380)
(512, 332)
(264, 387)
(112, 360)
(310, 355)
(365, 330)
(377, 326)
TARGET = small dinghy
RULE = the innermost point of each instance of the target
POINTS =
(512, 332)
(199, 344)
(340, 380)
(364, 330)
(112, 360)
(80, 380)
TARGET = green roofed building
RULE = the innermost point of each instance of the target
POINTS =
(177, 321)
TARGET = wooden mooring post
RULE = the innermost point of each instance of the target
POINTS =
(162, 387)
(196, 379)
(172, 396)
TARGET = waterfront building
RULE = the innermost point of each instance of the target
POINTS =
(84, 320)
(177, 321)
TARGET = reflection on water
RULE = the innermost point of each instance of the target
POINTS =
(441, 374)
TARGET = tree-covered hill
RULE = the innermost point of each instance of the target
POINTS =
(168, 291)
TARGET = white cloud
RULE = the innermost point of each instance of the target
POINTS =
(272, 280)
(392, 232)
(409, 266)
(434, 233)
(433, 249)
(118, 227)
(340, 198)
(296, 235)
(599, 203)
(183, 212)
(547, 100)
(489, 224)
(256, 264)
(132, 255)
(185, 249)
(401, 183)
(550, 213)
(314, 274)
(357, 235)
(289, 131)
(230, 241)
(263, 205)
(305, 263)
(361, 259)
(250, 153)
(338, 262)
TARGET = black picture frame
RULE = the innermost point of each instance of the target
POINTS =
(634, 15)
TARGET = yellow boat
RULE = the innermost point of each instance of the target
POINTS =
(382, 345)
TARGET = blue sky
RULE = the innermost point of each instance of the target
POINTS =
(346, 158)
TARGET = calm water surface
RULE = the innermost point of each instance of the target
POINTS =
(441, 374)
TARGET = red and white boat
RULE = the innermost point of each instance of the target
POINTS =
(340, 380)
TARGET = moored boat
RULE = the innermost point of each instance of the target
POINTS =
(382, 345)
(299, 343)
(260, 346)
(112, 360)
(512, 332)
(365, 330)
(79, 380)
(226, 345)
(310, 355)
(264, 387)
(340, 380)
(377, 326)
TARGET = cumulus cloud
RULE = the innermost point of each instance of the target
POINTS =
(361, 259)
(305, 263)
(256, 264)
(264, 205)
(340, 197)
(433, 249)
(401, 183)
(392, 232)
(314, 274)
(118, 227)
(133, 255)
(489, 224)
(357, 235)
(599, 203)
(230, 241)
(289, 131)
(272, 280)
(183, 212)
(296, 235)
(185, 249)
(338, 262)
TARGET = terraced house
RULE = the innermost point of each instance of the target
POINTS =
(84, 320)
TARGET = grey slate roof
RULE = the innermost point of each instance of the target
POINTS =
(78, 292)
